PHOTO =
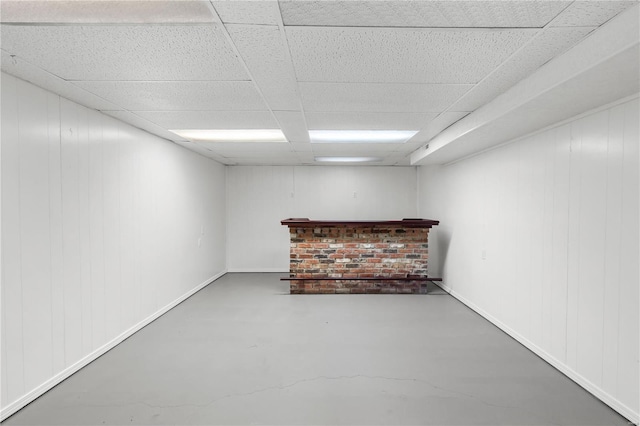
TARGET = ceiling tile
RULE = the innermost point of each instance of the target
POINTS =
(248, 12)
(448, 14)
(367, 120)
(125, 52)
(178, 95)
(293, 125)
(266, 161)
(355, 148)
(351, 97)
(143, 124)
(211, 119)
(590, 13)
(235, 156)
(100, 12)
(265, 54)
(18, 67)
(246, 147)
(400, 55)
(301, 147)
(205, 152)
(542, 48)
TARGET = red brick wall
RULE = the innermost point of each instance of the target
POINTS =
(358, 252)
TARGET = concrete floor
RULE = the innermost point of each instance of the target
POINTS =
(243, 351)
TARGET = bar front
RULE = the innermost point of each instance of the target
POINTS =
(356, 257)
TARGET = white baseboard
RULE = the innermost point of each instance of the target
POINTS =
(599, 393)
(18, 404)
(279, 270)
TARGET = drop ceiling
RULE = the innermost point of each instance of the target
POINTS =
(291, 65)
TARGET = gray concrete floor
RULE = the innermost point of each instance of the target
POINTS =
(243, 351)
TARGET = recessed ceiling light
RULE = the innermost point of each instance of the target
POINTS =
(232, 135)
(347, 159)
(361, 136)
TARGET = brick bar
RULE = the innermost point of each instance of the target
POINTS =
(342, 255)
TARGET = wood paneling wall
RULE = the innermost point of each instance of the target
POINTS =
(259, 197)
(541, 237)
(103, 226)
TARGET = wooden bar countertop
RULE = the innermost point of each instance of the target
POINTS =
(408, 223)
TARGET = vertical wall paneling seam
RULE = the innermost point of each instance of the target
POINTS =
(546, 211)
(118, 237)
(622, 205)
(64, 329)
(518, 244)
(568, 235)
(554, 152)
(581, 172)
(104, 261)
(604, 258)
(227, 216)
(86, 147)
(574, 275)
(49, 227)
(76, 147)
(19, 227)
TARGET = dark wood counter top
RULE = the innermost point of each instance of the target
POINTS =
(407, 223)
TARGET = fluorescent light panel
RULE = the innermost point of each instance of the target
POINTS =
(347, 159)
(361, 136)
(232, 135)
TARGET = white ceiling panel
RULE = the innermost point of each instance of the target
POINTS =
(265, 54)
(590, 13)
(355, 148)
(248, 12)
(367, 97)
(205, 152)
(400, 55)
(293, 125)
(144, 124)
(367, 120)
(211, 119)
(18, 67)
(178, 95)
(261, 161)
(125, 52)
(248, 148)
(334, 65)
(301, 147)
(542, 48)
(451, 14)
(105, 11)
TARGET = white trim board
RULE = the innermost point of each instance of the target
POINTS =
(30, 396)
(589, 386)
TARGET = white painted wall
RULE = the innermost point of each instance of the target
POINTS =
(259, 197)
(541, 237)
(103, 226)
